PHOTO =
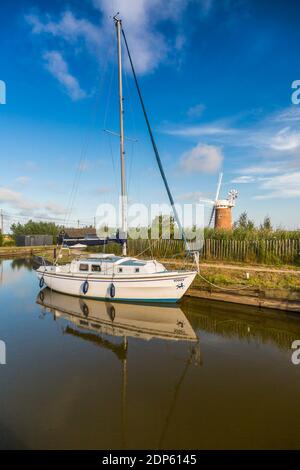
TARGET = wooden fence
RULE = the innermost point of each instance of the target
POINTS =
(259, 251)
(272, 251)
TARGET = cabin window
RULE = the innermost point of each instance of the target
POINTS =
(96, 268)
(83, 267)
(137, 270)
(120, 270)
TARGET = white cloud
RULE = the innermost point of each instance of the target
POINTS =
(68, 27)
(202, 158)
(196, 111)
(23, 179)
(149, 47)
(84, 165)
(7, 195)
(206, 6)
(55, 208)
(213, 129)
(16, 199)
(281, 186)
(190, 196)
(286, 139)
(260, 169)
(31, 165)
(57, 66)
(243, 179)
(180, 42)
(286, 115)
(103, 190)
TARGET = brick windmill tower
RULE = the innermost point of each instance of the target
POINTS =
(222, 208)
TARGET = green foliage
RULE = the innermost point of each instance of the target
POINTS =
(1, 239)
(266, 225)
(8, 242)
(164, 224)
(244, 223)
(35, 228)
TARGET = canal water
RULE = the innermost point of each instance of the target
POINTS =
(83, 374)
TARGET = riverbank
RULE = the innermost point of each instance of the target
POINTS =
(260, 286)
(18, 251)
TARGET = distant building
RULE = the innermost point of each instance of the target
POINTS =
(85, 236)
(34, 240)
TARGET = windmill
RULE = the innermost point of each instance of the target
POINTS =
(221, 208)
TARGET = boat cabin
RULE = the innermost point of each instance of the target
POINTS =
(111, 264)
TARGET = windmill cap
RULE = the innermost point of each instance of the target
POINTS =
(223, 203)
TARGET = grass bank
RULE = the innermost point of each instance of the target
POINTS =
(18, 251)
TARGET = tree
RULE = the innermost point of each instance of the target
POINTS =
(164, 225)
(35, 228)
(1, 238)
(266, 225)
(244, 222)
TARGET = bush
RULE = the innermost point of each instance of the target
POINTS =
(8, 242)
(35, 228)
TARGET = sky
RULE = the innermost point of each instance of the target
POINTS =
(216, 78)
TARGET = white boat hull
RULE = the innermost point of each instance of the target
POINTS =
(167, 286)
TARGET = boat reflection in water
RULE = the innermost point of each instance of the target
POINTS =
(119, 319)
(92, 320)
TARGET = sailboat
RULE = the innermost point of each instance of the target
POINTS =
(123, 278)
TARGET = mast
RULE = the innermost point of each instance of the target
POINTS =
(118, 24)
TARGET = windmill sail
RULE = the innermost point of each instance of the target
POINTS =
(216, 199)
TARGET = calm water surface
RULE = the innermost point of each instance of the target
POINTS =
(86, 374)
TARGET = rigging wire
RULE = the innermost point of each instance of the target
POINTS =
(131, 112)
(84, 150)
(27, 217)
(108, 98)
(154, 145)
(232, 289)
(105, 119)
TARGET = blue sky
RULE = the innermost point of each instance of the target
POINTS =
(216, 78)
